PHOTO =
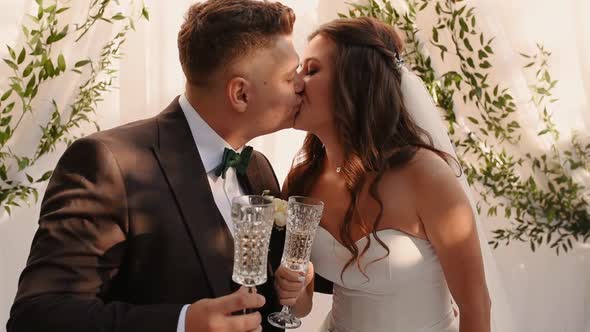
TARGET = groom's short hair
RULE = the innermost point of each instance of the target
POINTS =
(217, 32)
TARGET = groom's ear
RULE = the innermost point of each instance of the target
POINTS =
(238, 89)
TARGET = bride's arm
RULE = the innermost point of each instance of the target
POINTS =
(448, 220)
(295, 290)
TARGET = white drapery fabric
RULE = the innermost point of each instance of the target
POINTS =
(546, 293)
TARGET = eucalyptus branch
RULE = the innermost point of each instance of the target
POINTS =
(543, 207)
(37, 63)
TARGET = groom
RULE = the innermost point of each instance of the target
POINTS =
(135, 229)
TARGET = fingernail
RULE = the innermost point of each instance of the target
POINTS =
(302, 279)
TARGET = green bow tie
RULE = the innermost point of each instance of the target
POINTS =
(233, 159)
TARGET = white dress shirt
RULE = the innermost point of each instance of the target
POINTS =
(211, 147)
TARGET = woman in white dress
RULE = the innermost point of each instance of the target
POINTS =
(397, 241)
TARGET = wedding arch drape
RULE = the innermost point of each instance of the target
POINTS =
(547, 293)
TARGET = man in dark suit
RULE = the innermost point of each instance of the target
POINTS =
(135, 231)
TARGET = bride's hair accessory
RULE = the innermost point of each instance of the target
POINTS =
(399, 61)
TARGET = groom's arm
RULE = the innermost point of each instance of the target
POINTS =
(78, 250)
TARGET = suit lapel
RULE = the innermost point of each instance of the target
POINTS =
(181, 164)
(260, 177)
(252, 183)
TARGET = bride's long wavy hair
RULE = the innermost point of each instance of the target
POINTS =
(372, 123)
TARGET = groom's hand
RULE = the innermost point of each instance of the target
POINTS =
(215, 315)
(290, 284)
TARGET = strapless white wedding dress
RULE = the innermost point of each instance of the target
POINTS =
(404, 292)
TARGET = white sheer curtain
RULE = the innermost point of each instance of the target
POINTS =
(546, 292)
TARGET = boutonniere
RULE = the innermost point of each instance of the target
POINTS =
(280, 211)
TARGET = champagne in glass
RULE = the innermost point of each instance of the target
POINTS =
(303, 217)
(253, 218)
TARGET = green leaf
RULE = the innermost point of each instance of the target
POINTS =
(6, 95)
(435, 35)
(543, 132)
(472, 119)
(45, 176)
(5, 121)
(468, 44)
(38, 49)
(464, 26)
(547, 76)
(470, 62)
(11, 52)
(11, 64)
(8, 108)
(118, 17)
(61, 62)
(514, 124)
(28, 70)
(55, 38)
(39, 3)
(49, 68)
(33, 18)
(50, 9)
(485, 65)
(461, 10)
(61, 35)
(61, 10)
(482, 54)
(31, 84)
(82, 63)
(23, 163)
(145, 13)
(21, 56)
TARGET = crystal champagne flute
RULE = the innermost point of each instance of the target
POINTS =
(303, 218)
(253, 218)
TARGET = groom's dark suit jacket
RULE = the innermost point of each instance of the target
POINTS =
(129, 232)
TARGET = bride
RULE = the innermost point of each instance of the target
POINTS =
(398, 241)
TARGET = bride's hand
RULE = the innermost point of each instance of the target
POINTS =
(290, 284)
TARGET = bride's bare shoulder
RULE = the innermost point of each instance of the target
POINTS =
(427, 163)
(426, 173)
